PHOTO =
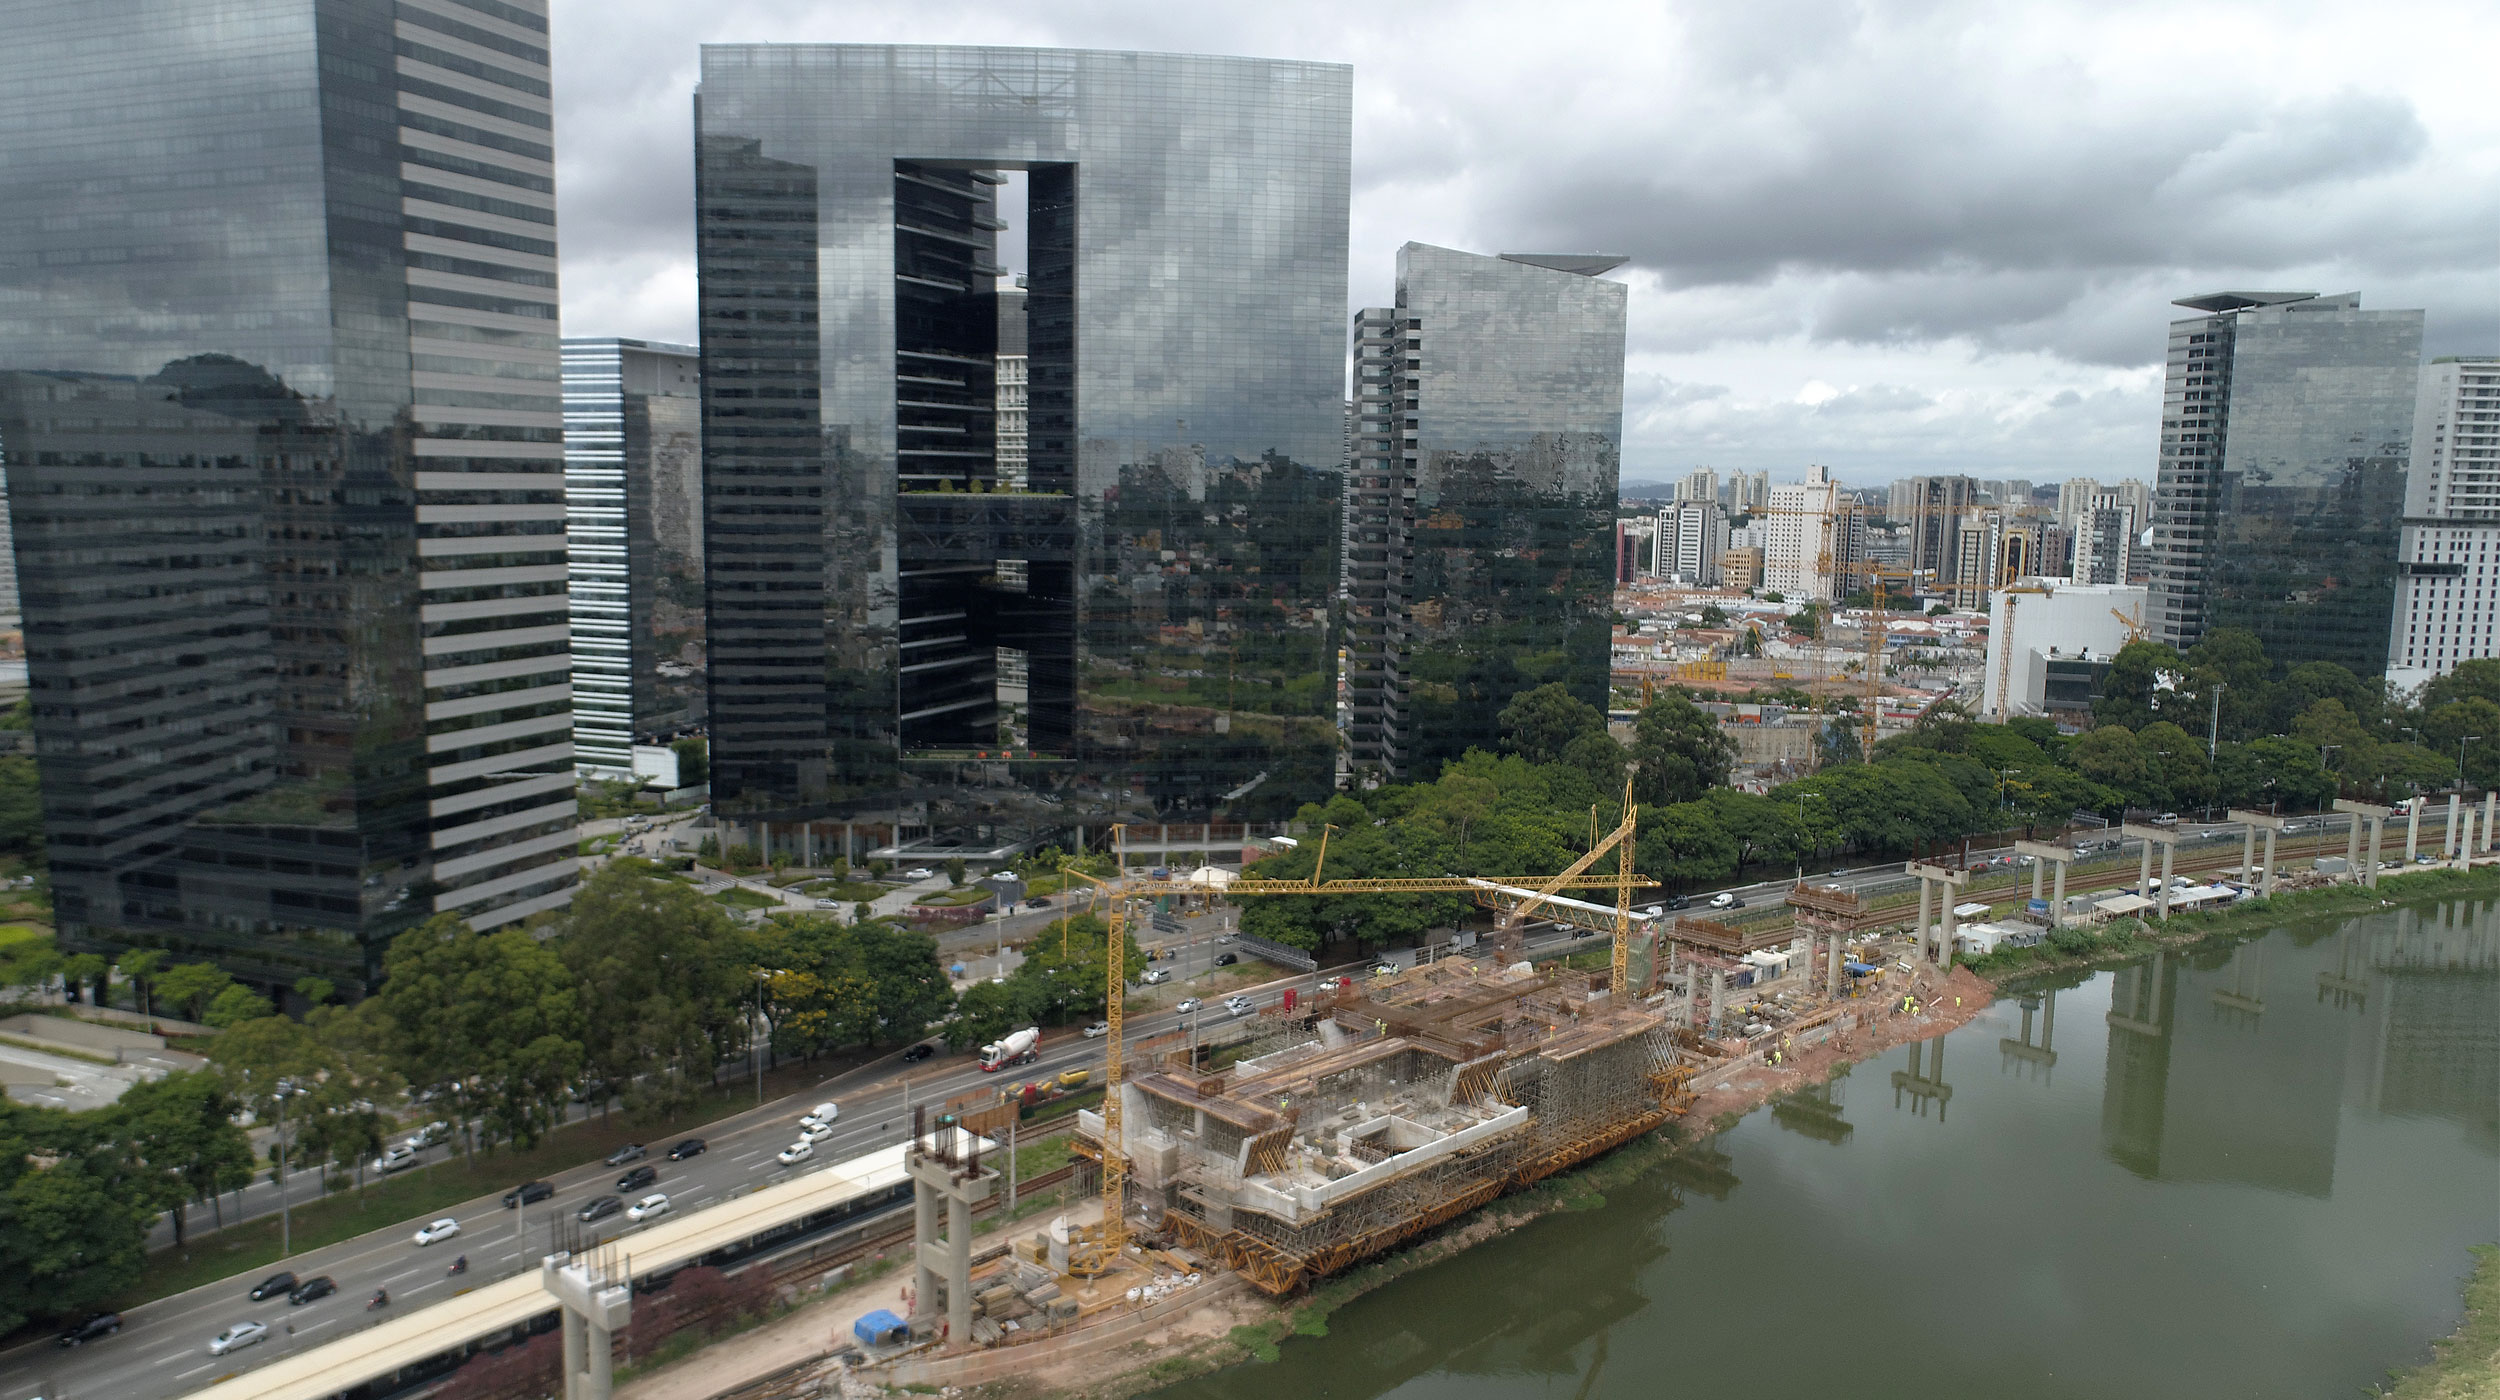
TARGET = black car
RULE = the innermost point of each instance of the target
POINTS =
(691, 1147)
(318, 1286)
(630, 1152)
(98, 1326)
(919, 1052)
(274, 1285)
(1677, 901)
(638, 1178)
(599, 1208)
(528, 1193)
(1227, 959)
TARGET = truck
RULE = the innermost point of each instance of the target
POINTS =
(1016, 1049)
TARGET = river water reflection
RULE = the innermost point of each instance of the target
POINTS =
(2246, 1171)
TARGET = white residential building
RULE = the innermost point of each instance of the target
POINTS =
(2448, 568)
(1806, 538)
(1692, 536)
(2039, 621)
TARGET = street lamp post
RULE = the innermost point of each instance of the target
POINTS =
(763, 979)
(286, 1224)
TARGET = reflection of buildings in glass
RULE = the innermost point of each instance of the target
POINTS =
(2286, 430)
(1164, 564)
(634, 505)
(2209, 1079)
(2429, 1039)
(304, 296)
(1489, 423)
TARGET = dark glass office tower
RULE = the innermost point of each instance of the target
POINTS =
(2286, 433)
(1480, 531)
(279, 408)
(633, 465)
(1165, 564)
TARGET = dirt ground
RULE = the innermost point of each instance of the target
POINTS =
(1961, 997)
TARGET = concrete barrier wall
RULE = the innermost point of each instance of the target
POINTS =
(995, 1363)
(85, 1035)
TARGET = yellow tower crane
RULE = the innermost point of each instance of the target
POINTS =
(1100, 1254)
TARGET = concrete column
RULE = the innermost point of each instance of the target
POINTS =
(2465, 837)
(2448, 833)
(2491, 808)
(2413, 827)
(924, 1218)
(2168, 851)
(2038, 873)
(1718, 999)
(2352, 846)
(2057, 899)
(2144, 872)
(2265, 888)
(601, 1375)
(2248, 853)
(575, 1357)
(959, 1271)
(1926, 893)
(1944, 944)
(2378, 827)
(1831, 967)
(807, 844)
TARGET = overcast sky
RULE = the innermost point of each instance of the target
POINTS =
(1887, 237)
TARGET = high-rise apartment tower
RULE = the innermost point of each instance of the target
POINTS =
(2448, 576)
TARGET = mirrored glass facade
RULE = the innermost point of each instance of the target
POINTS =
(1488, 428)
(279, 409)
(2286, 431)
(1165, 564)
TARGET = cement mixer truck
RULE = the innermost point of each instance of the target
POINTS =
(1016, 1049)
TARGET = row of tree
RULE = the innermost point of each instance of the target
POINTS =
(638, 995)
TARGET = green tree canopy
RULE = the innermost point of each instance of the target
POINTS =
(1539, 724)
(1679, 750)
(494, 1019)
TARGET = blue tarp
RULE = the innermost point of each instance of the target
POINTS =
(1859, 969)
(880, 1328)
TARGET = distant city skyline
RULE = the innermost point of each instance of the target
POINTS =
(1895, 241)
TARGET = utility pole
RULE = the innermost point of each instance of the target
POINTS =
(286, 1224)
(2213, 734)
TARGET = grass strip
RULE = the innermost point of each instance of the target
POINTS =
(2465, 1364)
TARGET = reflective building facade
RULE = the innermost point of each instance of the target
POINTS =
(279, 408)
(633, 486)
(2286, 429)
(1487, 437)
(1165, 564)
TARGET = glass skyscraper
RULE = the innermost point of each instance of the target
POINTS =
(1487, 440)
(1165, 565)
(633, 464)
(279, 408)
(2286, 430)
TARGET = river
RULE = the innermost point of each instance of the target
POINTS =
(2250, 1170)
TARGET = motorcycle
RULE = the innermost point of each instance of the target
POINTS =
(459, 1266)
(381, 1299)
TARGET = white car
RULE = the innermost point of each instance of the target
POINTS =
(430, 1134)
(812, 1131)
(240, 1335)
(920, 872)
(795, 1153)
(1098, 1030)
(399, 1158)
(822, 1115)
(1239, 1006)
(650, 1207)
(1153, 976)
(1188, 1005)
(1723, 900)
(442, 1229)
(828, 904)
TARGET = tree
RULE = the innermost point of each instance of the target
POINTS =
(141, 966)
(2142, 678)
(990, 1010)
(2109, 755)
(955, 871)
(84, 975)
(21, 807)
(1678, 750)
(1539, 724)
(185, 1145)
(315, 990)
(192, 986)
(237, 1004)
(493, 1018)
(1684, 845)
(668, 971)
(73, 1225)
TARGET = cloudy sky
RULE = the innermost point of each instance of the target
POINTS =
(1893, 236)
